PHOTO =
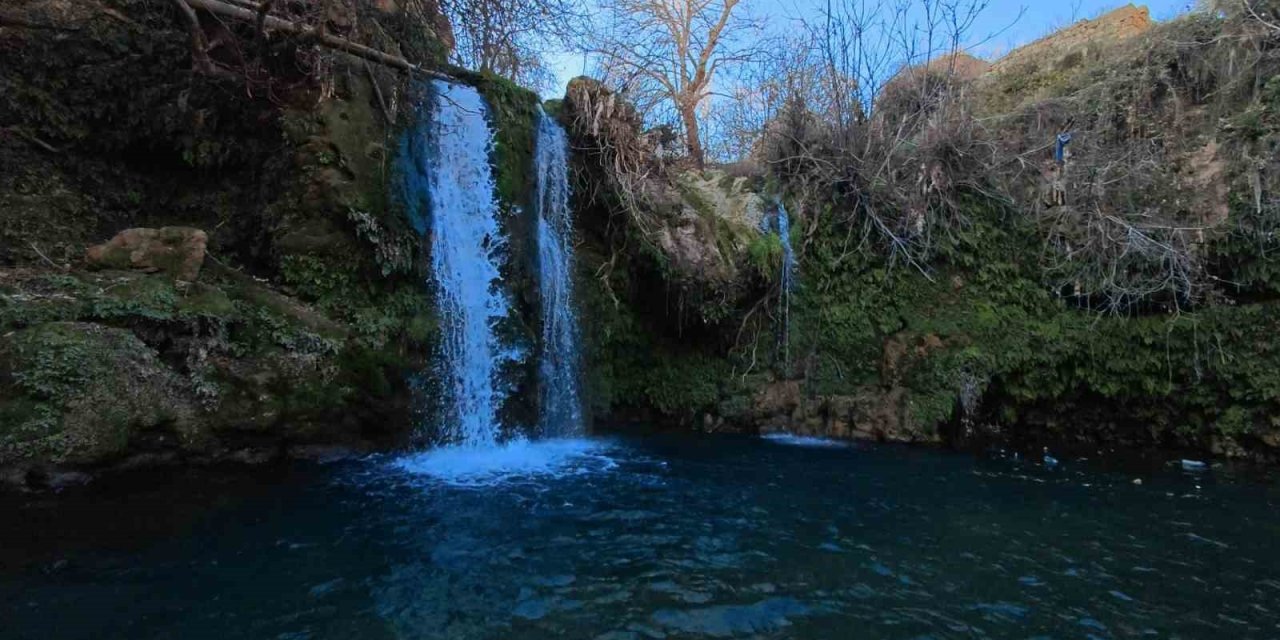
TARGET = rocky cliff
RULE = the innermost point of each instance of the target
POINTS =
(202, 255)
(1106, 30)
(264, 293)
(977, 291)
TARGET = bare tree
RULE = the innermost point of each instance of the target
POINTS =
(669, 52)
(512, 37)
(790, 73)
(894, 142)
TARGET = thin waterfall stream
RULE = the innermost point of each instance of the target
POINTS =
(780, 223)
(788, 281)
(560, 365)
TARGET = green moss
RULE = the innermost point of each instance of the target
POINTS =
(54, 361)
(632, 365)
(765, 255)
(206, 301)
(78, 392)
(513, 113)
(554, 108)
(154, 298)
(39, 300)
(982, 319)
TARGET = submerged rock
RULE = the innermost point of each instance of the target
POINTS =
(725, 621)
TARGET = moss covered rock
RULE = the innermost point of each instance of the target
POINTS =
(176, 251)
(78, 392)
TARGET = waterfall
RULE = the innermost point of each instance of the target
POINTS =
(450, 193)
(559, 367)
(782, 224)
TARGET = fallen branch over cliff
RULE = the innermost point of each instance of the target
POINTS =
(312, 33)
(30, 138)
(10, 20)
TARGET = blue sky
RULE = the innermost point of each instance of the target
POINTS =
(1037, 19)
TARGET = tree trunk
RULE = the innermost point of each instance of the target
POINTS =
(693, 135)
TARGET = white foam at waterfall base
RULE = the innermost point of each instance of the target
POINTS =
(514, 461)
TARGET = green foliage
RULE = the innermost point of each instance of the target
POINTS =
(513, 112)
(56, 361)
(764, 253)
(74, 388)
(48, 365)
(554, 108)
(378, 310)
(114, 298)
(981, 319)
(632, 365)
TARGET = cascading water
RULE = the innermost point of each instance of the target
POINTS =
(781, 223)
(559, 368)
(449, 188)
(450, 194)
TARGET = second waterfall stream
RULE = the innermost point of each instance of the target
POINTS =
(560, 365)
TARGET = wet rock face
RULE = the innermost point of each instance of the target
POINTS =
(872, 412)
(176, 251)
(122, 368)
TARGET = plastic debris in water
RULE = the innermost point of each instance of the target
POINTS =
(1049, 461)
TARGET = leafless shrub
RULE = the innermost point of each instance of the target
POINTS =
(1143, 185)
(889, 151)
(512, 37)
(609, 131)
(1147, 181)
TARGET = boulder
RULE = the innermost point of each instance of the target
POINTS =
(176, 251)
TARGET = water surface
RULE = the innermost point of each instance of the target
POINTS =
(675, 537)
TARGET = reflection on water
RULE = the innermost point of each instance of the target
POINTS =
(666, 537)
(806, 441)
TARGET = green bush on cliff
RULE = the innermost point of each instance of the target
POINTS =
(632, 365)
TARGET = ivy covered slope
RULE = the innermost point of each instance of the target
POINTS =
(979, 336)
(310, 307)
(664, 265)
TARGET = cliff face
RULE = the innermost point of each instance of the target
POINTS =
(1109, 29)
(669, 260)
(1122, 299)
(268, 295)
(299, 325)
